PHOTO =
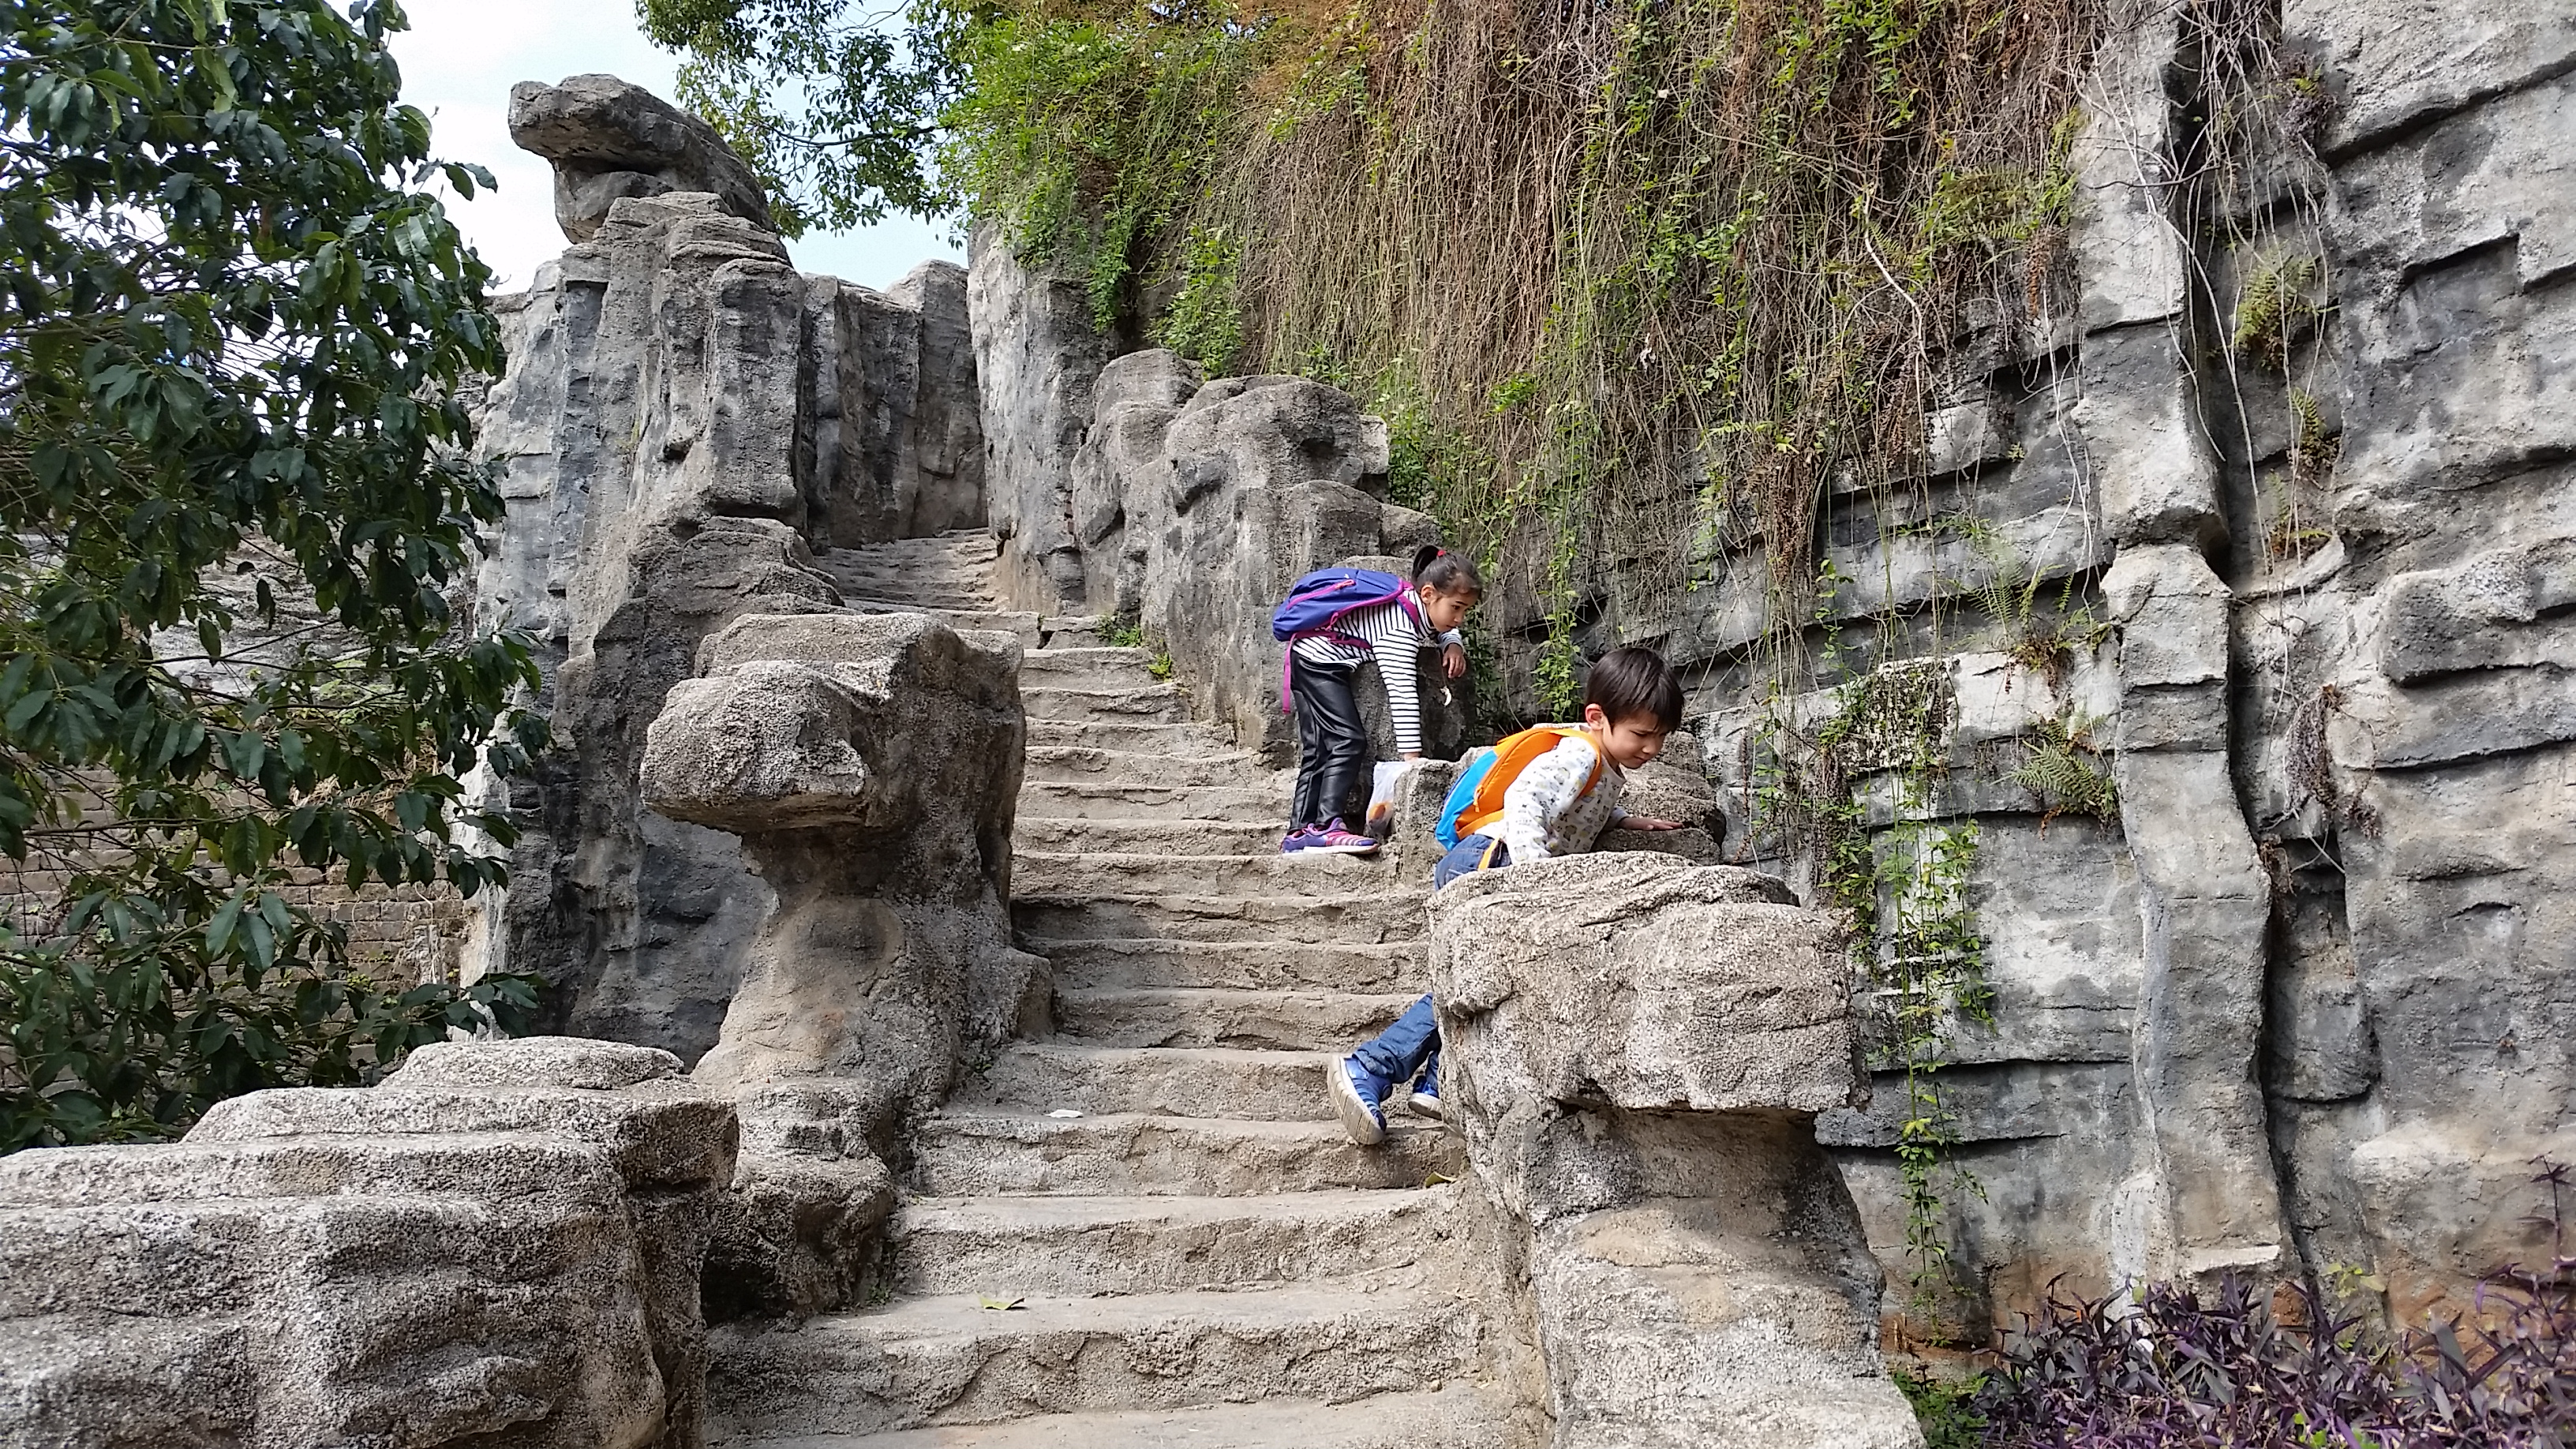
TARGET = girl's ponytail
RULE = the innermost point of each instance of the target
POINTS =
(1445, 571)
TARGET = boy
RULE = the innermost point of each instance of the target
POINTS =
(1558, 804)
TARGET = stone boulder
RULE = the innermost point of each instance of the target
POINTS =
(871, 766)
(1638, 1048)
(500, 1246)
(610, 139)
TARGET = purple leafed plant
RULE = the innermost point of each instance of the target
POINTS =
(2172, 1370)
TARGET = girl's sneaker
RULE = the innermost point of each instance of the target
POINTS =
(1331, 839)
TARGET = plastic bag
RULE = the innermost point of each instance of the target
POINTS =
(1386, 787)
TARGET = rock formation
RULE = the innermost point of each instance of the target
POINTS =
(1637, 1049)
(610, 139)
(870, 765)
(499, 1246)
(2295, 1000)
(688, 426)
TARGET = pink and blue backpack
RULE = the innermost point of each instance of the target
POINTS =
(1317, 603)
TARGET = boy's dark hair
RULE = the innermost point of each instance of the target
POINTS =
(1635, 681)
(1448, 572)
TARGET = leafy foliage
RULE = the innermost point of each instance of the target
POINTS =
(2063, 771)
(2175, 1370)
(837, 109)
(234, 498)
(1204, 324)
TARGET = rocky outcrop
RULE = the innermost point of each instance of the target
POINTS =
(1638, 1048)
(500, 1246)
(870, 765)
(610, 139)
(687, 428)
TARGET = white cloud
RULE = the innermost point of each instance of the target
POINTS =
(460, 59)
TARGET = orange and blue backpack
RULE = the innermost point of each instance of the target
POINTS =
(1475, 799)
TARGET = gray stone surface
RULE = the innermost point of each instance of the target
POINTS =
(687, 428)
(1637, 1048)
(610, 139)
(492, 1250)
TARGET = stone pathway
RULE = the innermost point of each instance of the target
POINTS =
(1200, 1256)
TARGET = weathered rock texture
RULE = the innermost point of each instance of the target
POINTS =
(687, 428)
(498, 1247)
(1136, 490)
(1638, 1048)
(870, 765)
(2302, 1002)
(609, 138)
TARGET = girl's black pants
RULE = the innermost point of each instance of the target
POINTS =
(1332, 743)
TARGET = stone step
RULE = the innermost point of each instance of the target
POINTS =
(948, 1360)
(1166, 1016)
(1357, 919)
(1241, 965)
(1153, 704)
(1210, 1082)
(920, 594)
(1116, 1154)
(1078, 630)
(1453, 1416)
(1056, 661)
(1004, 1247)
(1005, 621)
(1095, 766)
(1150, 739)
(1106, 873)
(1167, 835)
(1092, 800)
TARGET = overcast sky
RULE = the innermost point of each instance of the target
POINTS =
(460, 59)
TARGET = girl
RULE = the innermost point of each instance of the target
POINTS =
(1332, 739)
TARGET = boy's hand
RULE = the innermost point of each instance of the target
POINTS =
(1454, 660)
(1648, 822)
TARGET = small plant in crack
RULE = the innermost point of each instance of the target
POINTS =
(2062, 769)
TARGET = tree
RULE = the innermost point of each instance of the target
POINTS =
(835, 105)
(235, 491)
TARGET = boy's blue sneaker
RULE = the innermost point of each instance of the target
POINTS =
(1356, 1093)
(1425, 1101)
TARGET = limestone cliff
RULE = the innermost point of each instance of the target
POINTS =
(2291, 994)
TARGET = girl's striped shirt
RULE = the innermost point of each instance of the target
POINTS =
(1389, 634)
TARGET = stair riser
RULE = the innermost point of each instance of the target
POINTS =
(1169, 1156)
(1159, 1255)
(1245, 875)
(845, 1381)
(1259, 1021)
(1024, 626)
(1158, 705)
(1148, 739)
(1266, 804)
(1279, 1087)
(1076, 765)
(1177, 837)
(1250, 966)
(1059, 661)
(1333, 920)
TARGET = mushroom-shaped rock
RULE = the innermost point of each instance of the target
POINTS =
(610, 138)
(1637, 1048)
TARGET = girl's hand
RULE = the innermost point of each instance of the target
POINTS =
(1648, 822)
(1454, 659)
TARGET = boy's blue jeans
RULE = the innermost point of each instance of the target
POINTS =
(1410, 1049)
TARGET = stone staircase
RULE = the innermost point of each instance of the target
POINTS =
(1192, 1250)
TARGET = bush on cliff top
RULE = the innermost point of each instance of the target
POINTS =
(234, 497)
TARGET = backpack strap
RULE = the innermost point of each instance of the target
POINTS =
(1513, 756)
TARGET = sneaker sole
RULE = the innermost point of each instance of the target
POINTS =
(1369, 849)
(1423, 1104)
(1357, 1119)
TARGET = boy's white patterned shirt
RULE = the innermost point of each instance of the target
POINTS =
(1546, 810)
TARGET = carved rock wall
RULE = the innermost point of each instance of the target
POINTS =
(2302, 1002)
(500, 1246)
(686, 424)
